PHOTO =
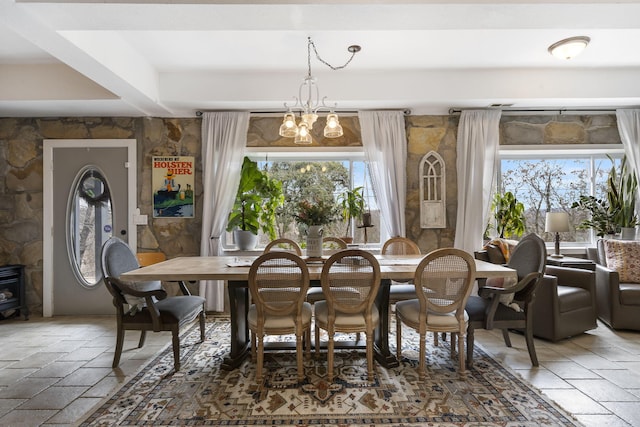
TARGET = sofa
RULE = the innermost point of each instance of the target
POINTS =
(617, 282)
(565, 302)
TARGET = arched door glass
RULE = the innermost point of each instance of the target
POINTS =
(89, 225)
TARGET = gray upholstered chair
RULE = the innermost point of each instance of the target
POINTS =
(486, 312)
(443, 282)
(617, 296)
(278, 282)
(565, 303)
(145, 306)
(350, 282)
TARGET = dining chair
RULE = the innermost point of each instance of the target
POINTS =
(350, 281)
(487, 312)
(283, 244)
(145, 306)
(330, 245)
(400, 291)
(443, 282)
(278, 282)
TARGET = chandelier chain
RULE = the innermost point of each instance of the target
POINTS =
(311, 44)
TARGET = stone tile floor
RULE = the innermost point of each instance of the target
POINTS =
(53, 371)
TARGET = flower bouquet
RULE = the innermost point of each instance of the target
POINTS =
(317, 212)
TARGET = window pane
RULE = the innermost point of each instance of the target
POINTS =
(552, 184)
(325, 180)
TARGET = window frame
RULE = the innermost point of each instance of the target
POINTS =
(311, 154)
(561, 151)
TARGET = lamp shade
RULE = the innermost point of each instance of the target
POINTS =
(557, 222)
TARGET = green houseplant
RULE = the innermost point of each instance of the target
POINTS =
(254, 209)
(622, 190)
(508, 215)
(352, 206)
(602, 216)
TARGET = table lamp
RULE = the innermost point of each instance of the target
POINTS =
(557, 222)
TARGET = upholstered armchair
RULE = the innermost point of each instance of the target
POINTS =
(618, 282)
(565, 303)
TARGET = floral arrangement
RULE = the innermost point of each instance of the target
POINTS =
(318, 212)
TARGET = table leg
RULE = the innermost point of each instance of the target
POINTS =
(238, 308)
(381, 337)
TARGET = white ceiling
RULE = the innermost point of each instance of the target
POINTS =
(173, 58)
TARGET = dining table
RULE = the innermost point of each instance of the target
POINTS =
(235, 270)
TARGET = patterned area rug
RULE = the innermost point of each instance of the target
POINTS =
(203, 394)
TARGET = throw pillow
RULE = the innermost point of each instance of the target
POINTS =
(623, 256)
(505, 283)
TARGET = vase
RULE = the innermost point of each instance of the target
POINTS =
(314, 241)
(628, 233)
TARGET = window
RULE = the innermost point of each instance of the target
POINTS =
(551, 178)
(324, 175)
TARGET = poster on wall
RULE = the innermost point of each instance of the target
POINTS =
(172, 179)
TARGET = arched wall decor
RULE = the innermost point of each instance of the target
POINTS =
(432, 191)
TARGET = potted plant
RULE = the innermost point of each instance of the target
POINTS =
(509, 215)
(622, 190)
(255, 205)
(603, 217)
(352, 206)
(314, 215)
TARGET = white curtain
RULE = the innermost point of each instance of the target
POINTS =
(629, 128)
(224, 137)
(385, 144)
(477, 151)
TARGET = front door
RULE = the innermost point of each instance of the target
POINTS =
(90, 202)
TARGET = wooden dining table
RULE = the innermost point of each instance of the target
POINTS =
(235, 270)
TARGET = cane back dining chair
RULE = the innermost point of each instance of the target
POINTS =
(278, 282)
(400, 246)
(145, 306)
(485, 311)
(443, 282)
(330, 245)
(350, 281)
(283, 244)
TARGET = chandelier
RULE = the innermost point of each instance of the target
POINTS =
(308, 104)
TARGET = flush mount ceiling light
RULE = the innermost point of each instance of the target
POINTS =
(569, 48)
(309, 105)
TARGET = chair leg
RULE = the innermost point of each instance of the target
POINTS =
(370, 356)
(176, 348)
(435, 339)
(398, 338)
(330, 357)
(317, 341)
(299, 350)
(202, 321)
(423, 355)
(505, 335)
(260, 340)
(307, 338)
(452, 347)
(253, 346)
(470, 343)
(119, 344)
(460, 350)
(143, 335)
(530, 345)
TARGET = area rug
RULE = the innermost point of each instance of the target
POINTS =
(202, 394)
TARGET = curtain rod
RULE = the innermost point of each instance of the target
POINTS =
(557, 111)
(405, 111)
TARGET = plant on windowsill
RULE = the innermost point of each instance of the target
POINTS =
(508, 215)
(352, 206)
(602, 217)
(255, 205)
(622, 190)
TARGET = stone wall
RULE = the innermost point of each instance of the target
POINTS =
(21, 171)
